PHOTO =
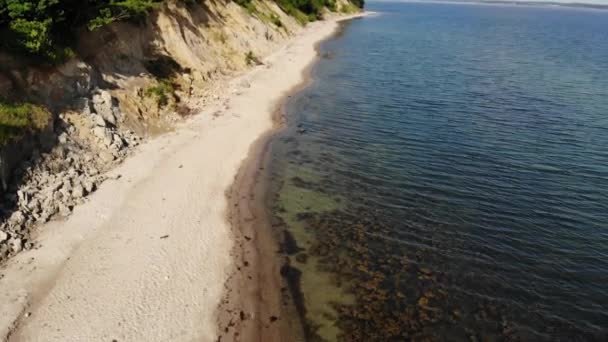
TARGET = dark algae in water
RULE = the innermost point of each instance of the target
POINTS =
(445, 177)
(397, 297)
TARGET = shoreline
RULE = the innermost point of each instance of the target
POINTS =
(153, 244)
(249, 311)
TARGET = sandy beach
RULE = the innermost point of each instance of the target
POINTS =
(147, 257)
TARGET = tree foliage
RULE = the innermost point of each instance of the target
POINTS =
(313, 9)
(45, 27)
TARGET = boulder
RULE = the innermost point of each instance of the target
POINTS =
(57, 196)
(34, 205)
(78, 192)
(97, 120)
(89, 186)
(3, 236)
(63, 138)
(16, 219)
(16, 245)
(64, 210)
(118, 142)
(103, 134)
(106, 106)
(22, 197)
(106, 157)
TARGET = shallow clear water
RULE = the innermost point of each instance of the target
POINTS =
(446, 176)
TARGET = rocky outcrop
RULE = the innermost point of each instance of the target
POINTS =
(54, 182)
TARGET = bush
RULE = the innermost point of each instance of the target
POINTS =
(248, 5)
(276, 20)
(310, 10)
(349, 9)
(17, 119)
(161, 92)
(288, 7)
(252, 59)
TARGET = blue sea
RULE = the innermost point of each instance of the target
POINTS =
(445, 177)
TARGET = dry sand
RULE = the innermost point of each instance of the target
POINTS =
(147, 257)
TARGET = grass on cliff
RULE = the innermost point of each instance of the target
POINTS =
(162, 92)
(349, 9)
(18, 119)
(252, 59)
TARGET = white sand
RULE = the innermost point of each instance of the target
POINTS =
(106, 273)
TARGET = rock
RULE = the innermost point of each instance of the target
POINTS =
(3, 250)
(16, 245)
(17, 218)
(92, 170)
(34, 205)
(65, 193)
(87, 157)
(3, 236)
(63, 138)
(89, 186)
(103, 134)
(106, 157)
(104, 105)
(22, 197)
(57, 196)
(64, 210)
(117, 140)
(66, 185)
(78, 192)
(55, 185)
(97, 120)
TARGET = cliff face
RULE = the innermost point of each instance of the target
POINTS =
(128, 81)
(189, 47)
(183, 48)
